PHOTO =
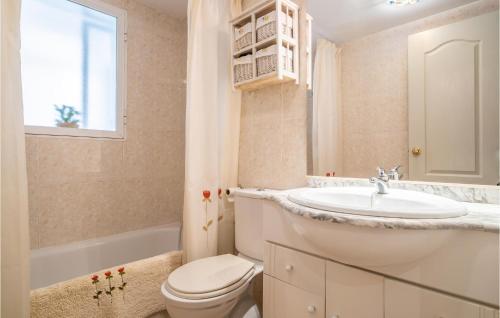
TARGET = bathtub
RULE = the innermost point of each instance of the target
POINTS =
(55, 264)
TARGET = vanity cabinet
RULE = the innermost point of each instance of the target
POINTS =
(353, 293)
(297, 284)
(405, 300)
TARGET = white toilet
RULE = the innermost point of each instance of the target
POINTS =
(218, 286)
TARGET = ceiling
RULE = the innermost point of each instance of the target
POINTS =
(175, 8)
(343, 20)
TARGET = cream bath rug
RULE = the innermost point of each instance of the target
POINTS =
(140, 298)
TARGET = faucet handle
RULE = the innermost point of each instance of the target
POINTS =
(394, 173)
(380, 171)
(396, 168)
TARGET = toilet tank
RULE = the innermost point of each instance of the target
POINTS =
(248, 227)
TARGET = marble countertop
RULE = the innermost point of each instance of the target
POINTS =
(481, 216)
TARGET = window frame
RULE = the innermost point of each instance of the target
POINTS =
(121, 81)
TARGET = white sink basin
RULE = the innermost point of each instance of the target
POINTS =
(366, 201)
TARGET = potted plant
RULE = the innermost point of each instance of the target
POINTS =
(67, 116)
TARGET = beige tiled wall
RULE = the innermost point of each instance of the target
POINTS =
(273, 136)
(85, 188)
(374, 92)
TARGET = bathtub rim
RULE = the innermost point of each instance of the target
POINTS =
(54, 249)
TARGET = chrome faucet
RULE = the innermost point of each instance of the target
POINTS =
(395, 174)
(381, 181)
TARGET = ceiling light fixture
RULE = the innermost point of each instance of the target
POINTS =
(399, 3)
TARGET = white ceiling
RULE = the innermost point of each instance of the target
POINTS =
(343, 20)
(175, 8)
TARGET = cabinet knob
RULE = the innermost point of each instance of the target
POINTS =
(289, 268)
(311, 309)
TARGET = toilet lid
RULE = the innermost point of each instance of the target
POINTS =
(245, 280)
(208, 275)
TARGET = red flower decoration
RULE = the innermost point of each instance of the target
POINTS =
(328, 174)
(94, 278)
(206, 194)
(107, 274)
(219, 193)
(333, 174)
(121, 270)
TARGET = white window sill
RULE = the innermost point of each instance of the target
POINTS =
(72, 132)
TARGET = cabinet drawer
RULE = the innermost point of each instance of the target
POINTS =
(282, 300)
(301, 270)
(404, 300)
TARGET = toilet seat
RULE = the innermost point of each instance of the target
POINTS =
(201, 304)
(210, 277)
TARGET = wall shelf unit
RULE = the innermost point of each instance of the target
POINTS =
(265, 45)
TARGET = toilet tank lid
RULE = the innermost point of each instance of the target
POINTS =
(209, 274)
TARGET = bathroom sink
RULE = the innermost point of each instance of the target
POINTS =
(361, 243)
(366, 201)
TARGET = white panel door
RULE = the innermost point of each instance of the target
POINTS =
(453, 102)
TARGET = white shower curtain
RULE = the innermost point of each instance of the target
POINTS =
(212, 130)
(14, 220)
(327, 115)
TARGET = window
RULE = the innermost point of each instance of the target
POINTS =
(73, 68)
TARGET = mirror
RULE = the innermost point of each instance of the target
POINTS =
(406, 83)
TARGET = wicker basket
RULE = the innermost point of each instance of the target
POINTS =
(266, 64)
(243, 37)
(243, 69)
(266, 26)
(267, 59)
(266, 31)
(288, 61)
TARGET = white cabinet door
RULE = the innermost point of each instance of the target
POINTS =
(408, 301)
(453, 102)
(282, 300)
(352, 293)
(489, 313)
